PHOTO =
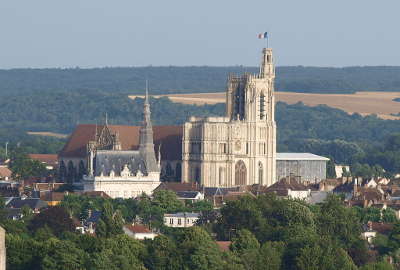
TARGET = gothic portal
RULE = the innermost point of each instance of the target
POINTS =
(240, 148)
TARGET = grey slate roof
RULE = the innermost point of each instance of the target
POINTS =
(187, 194)
(33, 203)
(183, 214)
(107, 160)
(299, 156)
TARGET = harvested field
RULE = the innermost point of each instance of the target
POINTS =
(364, 103)
(48, 134)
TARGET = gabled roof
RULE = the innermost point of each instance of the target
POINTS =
(218, 191)
(52, 196)
(282, 186)
(5, 172)
(177, 186)
(94, 194)
(170, 138)
(137, 228)
(187, 194)
(33, 203)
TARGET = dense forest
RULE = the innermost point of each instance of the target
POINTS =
(265, 233)
(172, 79)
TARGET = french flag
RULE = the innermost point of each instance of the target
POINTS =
(263, 35)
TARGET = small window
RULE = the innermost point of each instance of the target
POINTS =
(179, 221)
(171, 221)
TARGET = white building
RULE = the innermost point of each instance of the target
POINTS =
(181, 220)
(123, 173)
(139, 232)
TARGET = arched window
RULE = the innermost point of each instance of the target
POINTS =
(178, 172)
(168, 169)
(240, 173)
(63, 170)
(260, 173)
(71, 172)
(81, 170)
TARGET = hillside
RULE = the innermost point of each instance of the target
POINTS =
(165, 80)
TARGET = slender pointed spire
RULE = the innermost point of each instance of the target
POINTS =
(146, 143)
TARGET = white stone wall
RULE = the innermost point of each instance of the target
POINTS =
(119, 187)
(180, 222)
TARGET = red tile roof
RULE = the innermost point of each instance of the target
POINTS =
(50, 159)
(94, 194)
(52, 196)
(170, 138)
(224, 245)
(177, 187)
(382, 228)
(5, 172)
(138, 228)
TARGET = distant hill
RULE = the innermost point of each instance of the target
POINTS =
(164, 80)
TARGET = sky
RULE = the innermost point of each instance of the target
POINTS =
(99, 33)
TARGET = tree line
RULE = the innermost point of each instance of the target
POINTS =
(192, 79)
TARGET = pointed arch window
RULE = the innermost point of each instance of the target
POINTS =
(240, 173)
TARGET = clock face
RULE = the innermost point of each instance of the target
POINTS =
(238, 145)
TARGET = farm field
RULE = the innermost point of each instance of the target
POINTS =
(364, 103)
(48, 134)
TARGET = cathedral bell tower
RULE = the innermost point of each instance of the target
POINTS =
(240, 148)
(250, 97)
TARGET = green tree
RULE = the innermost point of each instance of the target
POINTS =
(163, 254)
(61, 255)
(56, 218)
(247, 248)
(199, 251)
(23, 167)
(110, 223)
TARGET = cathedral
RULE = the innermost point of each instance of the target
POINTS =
(237, 149)
(240, 148)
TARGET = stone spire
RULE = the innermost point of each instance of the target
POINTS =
(267, 64)
(146, 144)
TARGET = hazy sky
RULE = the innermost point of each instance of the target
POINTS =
(97, 33)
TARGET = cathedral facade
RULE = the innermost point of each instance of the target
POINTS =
(240, 148)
